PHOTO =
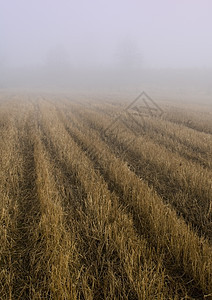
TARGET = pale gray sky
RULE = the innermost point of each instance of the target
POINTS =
(165, 33)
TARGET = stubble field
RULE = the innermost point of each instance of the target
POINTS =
(91, 211)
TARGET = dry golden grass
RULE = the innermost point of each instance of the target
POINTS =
(84, 215)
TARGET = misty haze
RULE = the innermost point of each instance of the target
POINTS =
(69, 44)
(105, 149)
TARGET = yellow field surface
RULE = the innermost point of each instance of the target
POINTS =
(92, 212)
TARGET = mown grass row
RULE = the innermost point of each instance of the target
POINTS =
(9, 190)
(33, 263)
(181, 248)
(190, 143)
(78, 223)
(197, 118)
(185, 185)
(117, 263)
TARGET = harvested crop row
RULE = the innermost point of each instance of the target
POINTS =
(193, 145)
(9, 190)
(190, 144)
(54, 260)
(77, 222)
(26, 256)
(196, 145)
(180, 246)
(117, 261)
(192, 118)
(185, 185)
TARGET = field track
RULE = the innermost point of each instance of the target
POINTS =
(84, 214)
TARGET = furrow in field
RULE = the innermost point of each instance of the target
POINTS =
(55, 257)
(9, 191)
(115, 257)
(28, 212)
(21, 207)
(157, 222)
(188, 143)
(192, 119)
(186, 186)
(80, 217)
(33, 262)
